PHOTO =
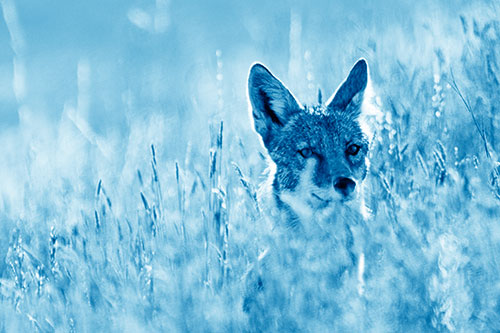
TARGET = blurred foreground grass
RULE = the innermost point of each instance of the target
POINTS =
(94, 242)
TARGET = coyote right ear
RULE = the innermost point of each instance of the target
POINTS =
(272, 103)
(353, 86)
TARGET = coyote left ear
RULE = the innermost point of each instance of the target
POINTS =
(272, 103)
(352, 89)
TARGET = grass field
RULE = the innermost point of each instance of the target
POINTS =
(157, 227)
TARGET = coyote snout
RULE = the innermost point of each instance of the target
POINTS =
(345, 186)
(319, 152)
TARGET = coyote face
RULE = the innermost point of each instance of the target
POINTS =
(320, 152)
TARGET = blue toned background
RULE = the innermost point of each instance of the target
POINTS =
(125, 206)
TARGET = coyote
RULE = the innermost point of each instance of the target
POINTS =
(318, 162)
(319, 153)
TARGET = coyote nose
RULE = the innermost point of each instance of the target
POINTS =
(344, 186)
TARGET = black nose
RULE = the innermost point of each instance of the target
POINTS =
(344, 186)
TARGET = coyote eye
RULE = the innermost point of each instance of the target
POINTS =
(353, 150)
(306, 152)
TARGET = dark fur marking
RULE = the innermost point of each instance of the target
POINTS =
(266, 101)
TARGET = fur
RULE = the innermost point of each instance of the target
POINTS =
(312, 199)
(310, 187)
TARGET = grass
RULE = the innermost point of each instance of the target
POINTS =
(144, 242)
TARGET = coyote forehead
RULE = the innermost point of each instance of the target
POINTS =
(320, 152)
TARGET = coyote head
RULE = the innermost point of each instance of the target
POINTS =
(320, 152)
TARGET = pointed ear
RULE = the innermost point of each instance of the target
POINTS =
(351, 90)
(272, 103)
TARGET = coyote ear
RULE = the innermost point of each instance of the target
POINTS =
(352, 89)
(272, 103)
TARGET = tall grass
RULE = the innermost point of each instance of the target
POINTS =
(158, 244)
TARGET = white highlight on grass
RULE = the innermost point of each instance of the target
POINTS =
(295, 42)
(83, 79)
(86, 130)
(19, 79)
(263, 254)
(11, 20)
(18, 45)
(371, 113)
(155, 22)
(361, 272)
(140, 18)
(364, 210)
